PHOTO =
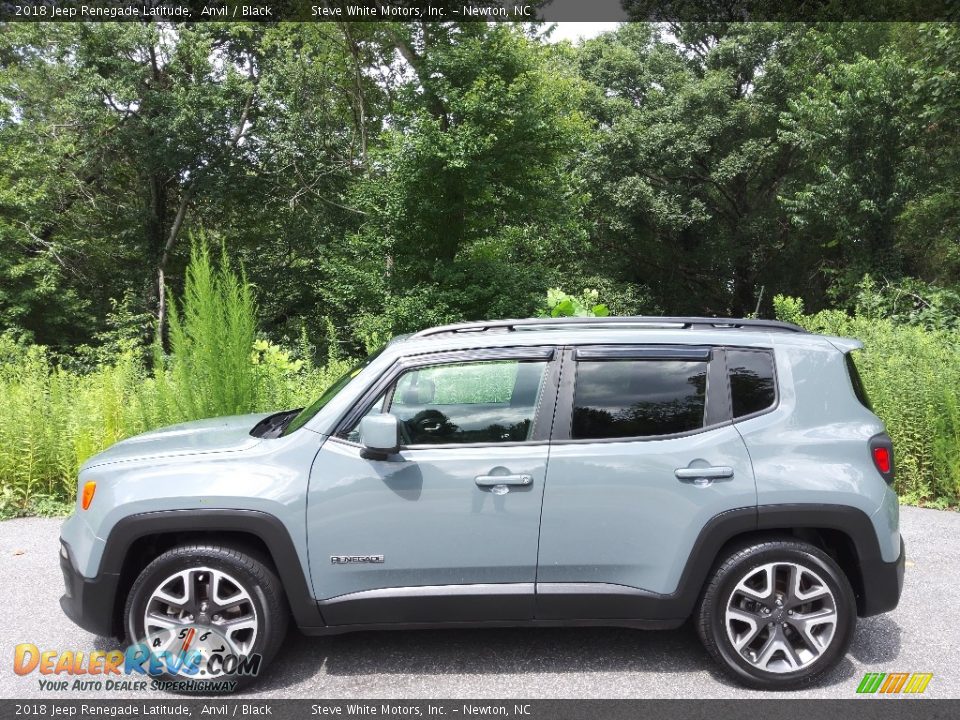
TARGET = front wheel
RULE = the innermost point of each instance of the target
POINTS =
(777, 614)
(207, 613)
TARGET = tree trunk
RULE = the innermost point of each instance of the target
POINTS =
(743, 286)
(165, 257)
(186, 197)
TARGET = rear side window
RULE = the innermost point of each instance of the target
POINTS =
(752, 387)
(859, 390)
(638, 398)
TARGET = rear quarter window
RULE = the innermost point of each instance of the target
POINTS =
(752, 381)
(858, 388)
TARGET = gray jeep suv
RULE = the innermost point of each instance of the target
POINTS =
(630, 471)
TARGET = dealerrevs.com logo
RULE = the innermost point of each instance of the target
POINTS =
(196, 659)
(894, 683)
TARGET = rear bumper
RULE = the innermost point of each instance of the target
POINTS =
(882, 583)
(88, 602)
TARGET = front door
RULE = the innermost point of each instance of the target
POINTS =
(445, 530)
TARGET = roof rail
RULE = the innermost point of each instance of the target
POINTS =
(639, 321)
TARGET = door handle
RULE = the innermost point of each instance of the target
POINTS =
(494, 480)
(704, 473)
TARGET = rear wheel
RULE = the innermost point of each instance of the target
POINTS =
(777, 614)
(214, 608)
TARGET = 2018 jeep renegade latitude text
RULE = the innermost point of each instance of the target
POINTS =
(624, 471)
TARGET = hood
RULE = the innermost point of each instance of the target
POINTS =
(216, 435)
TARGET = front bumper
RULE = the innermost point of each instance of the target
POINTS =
(882, 583)
(90, 603)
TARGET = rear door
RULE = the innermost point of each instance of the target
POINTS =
(644, 455)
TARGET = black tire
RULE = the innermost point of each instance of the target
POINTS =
(254, 573)
(711, 615)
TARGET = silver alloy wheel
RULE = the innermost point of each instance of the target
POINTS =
(781, 617)
(202, 597)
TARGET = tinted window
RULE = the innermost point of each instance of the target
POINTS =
(636, 398)
(857, 381)
(751, 381)
(487, 402)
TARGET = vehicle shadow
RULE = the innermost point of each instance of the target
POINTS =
(877, 640)
(526, 650)
(507, 651)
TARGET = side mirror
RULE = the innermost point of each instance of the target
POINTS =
(380, 436)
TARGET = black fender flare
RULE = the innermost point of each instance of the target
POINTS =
(877, 578)
(262, 525)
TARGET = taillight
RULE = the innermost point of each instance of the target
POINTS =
(86, 498)
(881, 458)
(881, 452)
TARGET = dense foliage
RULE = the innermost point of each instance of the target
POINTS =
(373, 178)
(53, 416)
(387, 176)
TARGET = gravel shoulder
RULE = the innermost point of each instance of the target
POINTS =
(921, 635)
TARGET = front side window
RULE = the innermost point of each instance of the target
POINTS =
(472, 402)
(752, 387)
(638, 398)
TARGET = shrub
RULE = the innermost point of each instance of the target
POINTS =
(212, 340)
(55, 415)
(559, 304)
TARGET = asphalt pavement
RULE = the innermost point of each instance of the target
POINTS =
(921, 635)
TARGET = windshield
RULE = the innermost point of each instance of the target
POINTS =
(331, 392)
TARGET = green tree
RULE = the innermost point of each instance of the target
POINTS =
(721, 153)
(471, 198)
(130, 124)
(929, 224)
(560, 304)
(848, 126)
(685, 179)
(119, 138)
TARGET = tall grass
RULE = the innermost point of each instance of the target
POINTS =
(912, 375)
(211, 339)
(52, 419)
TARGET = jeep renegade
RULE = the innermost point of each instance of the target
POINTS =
(627, 471)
